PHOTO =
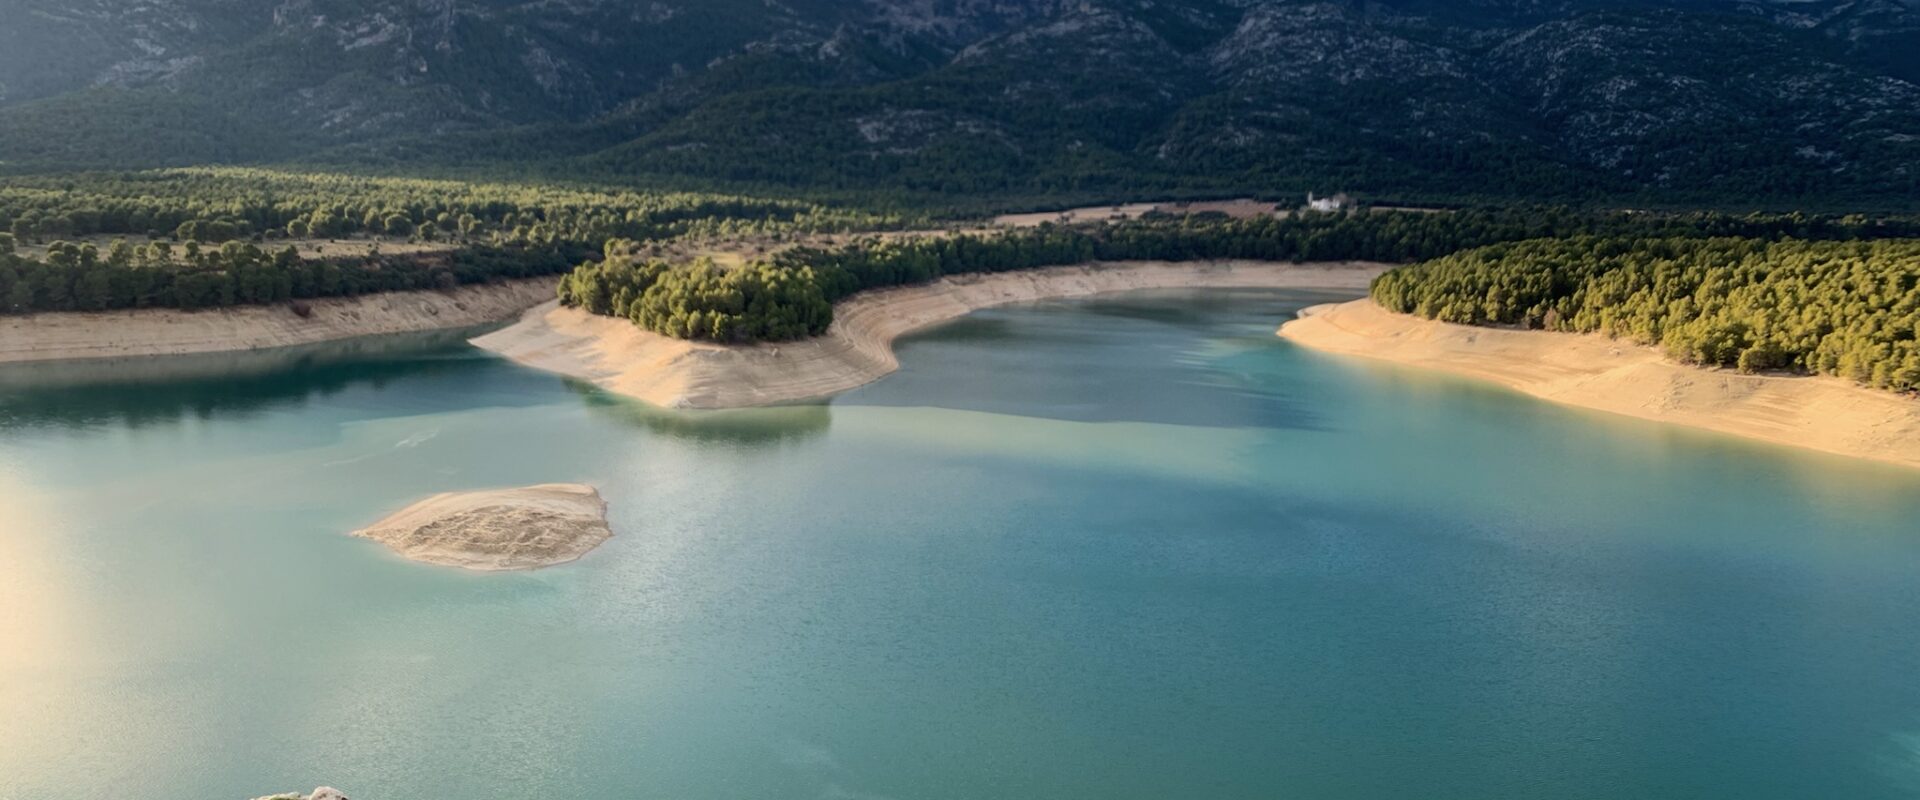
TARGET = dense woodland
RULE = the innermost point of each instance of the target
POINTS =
(1845, 308)
(758, 302)
(789, 296)
(204, 238)
(75, 277)
(215, 205)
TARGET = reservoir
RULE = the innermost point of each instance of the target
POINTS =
(1128, 547)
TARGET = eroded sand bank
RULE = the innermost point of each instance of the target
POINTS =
(159, 331)
(501, 529)
(1595, 372)
(858, 348)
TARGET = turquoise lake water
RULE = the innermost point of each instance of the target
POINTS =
(1132, 547)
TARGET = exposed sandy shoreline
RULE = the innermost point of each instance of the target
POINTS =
(501, 529)
(858, 348)
(1826, 414)
(159, 331)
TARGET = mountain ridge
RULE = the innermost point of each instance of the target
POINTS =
(1545, 100)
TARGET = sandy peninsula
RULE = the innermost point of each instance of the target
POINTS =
(1590, 371)
(502, 529)
(858, 348)
(161, 331)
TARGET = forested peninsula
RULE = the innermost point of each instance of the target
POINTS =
(857, 347)
(1845, 308)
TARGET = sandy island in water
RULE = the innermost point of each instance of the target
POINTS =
(64, 336)
(1596, 372)
(502, 529)
(858, 348)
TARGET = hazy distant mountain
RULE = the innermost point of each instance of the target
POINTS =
(1681, 98)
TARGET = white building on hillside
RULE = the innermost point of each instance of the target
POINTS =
(1334, 203)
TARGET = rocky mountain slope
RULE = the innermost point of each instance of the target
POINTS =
(1681, 99)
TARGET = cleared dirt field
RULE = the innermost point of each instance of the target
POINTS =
(1245, 208)
(308, 248)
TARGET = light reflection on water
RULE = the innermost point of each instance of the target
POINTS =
(1127, 548)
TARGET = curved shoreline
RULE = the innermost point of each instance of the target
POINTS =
(858, 348)
(1595, 372)
(69, 336)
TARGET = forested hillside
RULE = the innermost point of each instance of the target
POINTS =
(1745, 103)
